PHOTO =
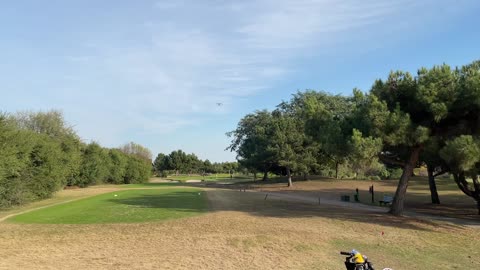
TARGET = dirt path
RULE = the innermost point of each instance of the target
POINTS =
(370, 208)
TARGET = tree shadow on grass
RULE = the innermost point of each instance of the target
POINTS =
(178, 201)
(255, 204)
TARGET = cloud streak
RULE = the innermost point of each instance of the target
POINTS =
(186, 56)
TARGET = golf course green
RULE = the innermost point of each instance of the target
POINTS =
(126, 206)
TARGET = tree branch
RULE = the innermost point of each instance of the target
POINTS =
(443, 171)
(388, 160)
(462, 184)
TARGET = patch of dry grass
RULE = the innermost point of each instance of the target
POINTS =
(453, 202)
(242, 231)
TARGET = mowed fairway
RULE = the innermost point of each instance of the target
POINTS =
(240, 230)
(127, 206)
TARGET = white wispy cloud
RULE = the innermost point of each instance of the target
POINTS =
(193, 54)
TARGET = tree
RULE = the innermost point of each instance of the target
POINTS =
(207, 167)
(14, 159)
(435, 166)
(326, 124)
(117, 166)
(137, 150)
(302, 107)
(94, 165)
(287, 143)
(137, 170)
(251, 140)
(462, 155)
(161, 163)
(177, 160)
(52, 124)
(406, 111)
(363, 152)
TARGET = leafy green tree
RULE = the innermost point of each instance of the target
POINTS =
(252, 139)
(94, 166)
(177, 161)
(137, 170)
(117, 168)
(406, 111)
(14, 159)
(363, 152)
(45, 173)
(208, 167)
(53, 124)
(462, 155)
(435, 165)
(287, 143)
(160, 163)
(326, 124)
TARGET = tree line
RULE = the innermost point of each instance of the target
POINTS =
(40, 154)
(179, 162)
(431, 118)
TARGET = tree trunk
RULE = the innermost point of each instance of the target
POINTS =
(254, 176)
(265, 175)
(433, 185)
(289, 177)
(399, 199)
(336, 170)
(465, 188)
(476, 188)
(305, 176)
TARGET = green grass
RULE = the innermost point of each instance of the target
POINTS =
(129, 206)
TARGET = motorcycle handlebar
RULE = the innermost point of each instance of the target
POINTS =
(345, 253)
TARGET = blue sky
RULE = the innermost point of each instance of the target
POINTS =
(153, 71)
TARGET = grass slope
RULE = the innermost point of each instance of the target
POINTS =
(128, 206)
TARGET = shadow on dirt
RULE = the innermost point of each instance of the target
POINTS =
(255, 204)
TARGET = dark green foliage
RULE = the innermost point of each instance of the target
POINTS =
(137, 171)
(41, 154)
(94, 167)
(117, 166)
(403, 122)
(45, 172)
(180, 162)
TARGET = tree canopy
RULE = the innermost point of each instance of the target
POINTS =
(404, 121)
(40, 154)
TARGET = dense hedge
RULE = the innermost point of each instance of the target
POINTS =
(40, 154)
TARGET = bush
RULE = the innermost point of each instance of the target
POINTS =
(45, 172)
(40, 154)
(395, 173)
(117, 166)
(138, 171)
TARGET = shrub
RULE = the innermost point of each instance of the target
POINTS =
(395, 173)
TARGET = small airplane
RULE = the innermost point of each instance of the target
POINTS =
(219, 104)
